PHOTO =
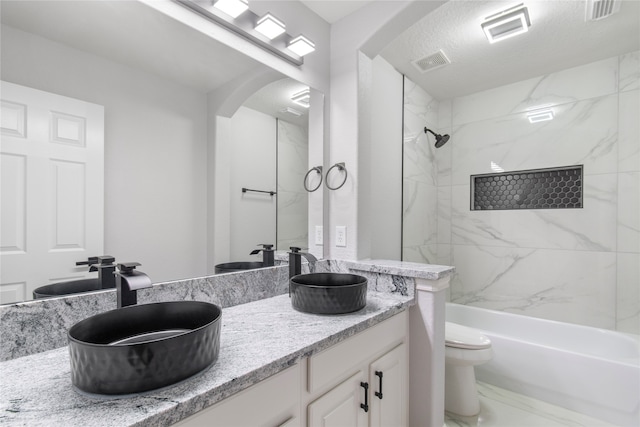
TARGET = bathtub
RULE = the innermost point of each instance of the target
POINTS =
(588, 370)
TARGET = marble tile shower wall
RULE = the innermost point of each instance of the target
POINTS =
(575, 265)
(293, 160)
(420, 175)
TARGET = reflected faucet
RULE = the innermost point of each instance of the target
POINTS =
(128, 281)
(268, 257)
(105, 267)
(295, 261)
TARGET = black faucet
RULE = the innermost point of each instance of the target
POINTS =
(128, 281)
(295, 261)
(268, 258)
(105, 267)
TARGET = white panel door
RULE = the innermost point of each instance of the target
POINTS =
(52, 189)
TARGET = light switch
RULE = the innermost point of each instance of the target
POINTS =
(341, 236)
(319, 235)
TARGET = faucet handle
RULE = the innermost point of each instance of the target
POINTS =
(128, 267)
(90, 261)
(106, 259)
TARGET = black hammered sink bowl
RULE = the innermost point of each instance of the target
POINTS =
(230, 267)
(328, 293)
(143, 347)
(67, 288)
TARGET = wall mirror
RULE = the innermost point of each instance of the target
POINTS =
(158, 192)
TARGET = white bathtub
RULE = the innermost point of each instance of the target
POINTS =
(588, 370)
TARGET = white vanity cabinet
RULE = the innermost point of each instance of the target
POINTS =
(344, 381)
(329, 389)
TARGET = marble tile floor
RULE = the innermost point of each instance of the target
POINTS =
(504, 408)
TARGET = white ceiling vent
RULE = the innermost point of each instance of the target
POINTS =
(431, 62)
(600, 9)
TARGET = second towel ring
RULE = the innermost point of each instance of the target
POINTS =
(304, 182)
(341, 167)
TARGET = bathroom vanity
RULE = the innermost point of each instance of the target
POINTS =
(277, 364)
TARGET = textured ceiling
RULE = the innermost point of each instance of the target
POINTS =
(558, 38)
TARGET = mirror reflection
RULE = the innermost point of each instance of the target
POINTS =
(138, 146)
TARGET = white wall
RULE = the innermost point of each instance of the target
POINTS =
(386, 162)
(574, 265)
(155, 151)
(252, 142)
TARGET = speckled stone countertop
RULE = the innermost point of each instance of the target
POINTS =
(258, 340)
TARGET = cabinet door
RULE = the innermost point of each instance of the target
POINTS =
(340, 407)
(388, 380)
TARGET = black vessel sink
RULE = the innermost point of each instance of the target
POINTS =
(328, 293)
(67, 288)
(143, 347)
(230, 267)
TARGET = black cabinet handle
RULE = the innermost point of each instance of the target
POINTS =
(365, 405)
(379, 394)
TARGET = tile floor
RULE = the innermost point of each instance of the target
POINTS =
(503, 408)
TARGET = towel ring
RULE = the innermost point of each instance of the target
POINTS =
(340, 167)
(318, 169)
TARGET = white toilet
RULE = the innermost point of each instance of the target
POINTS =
(464, 348)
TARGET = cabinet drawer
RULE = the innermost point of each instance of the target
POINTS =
(272, 402)
(336, 363)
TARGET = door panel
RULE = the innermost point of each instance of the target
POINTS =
(52, 199)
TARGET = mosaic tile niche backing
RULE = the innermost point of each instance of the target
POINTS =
(554, 188)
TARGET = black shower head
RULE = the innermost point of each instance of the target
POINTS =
(440, 139)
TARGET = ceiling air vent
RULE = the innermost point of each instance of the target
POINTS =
(600, 9)
(431, 62)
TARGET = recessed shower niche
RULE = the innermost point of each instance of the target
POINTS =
(553, 188)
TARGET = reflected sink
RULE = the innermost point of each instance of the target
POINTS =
(230, 267)
(67, 288)
(143, 347)
(328, 293)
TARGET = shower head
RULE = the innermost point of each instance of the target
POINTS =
(440, 139)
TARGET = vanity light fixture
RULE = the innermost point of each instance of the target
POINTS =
(233, 8)
(266, 32)
(301, 45)
(507, 23)
(270, 26)
(540, 115)
(302, 98)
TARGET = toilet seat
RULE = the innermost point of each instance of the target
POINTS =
(458, 336)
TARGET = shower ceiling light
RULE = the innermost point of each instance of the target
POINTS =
(291, 111)
(270, 26)
(540, 115)
(233, 8)
(507, 23)
(301, 45)
(302, 98)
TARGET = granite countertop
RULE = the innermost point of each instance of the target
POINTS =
(258, 339)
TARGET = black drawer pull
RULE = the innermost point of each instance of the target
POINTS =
(379, 394)
(365, 405)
